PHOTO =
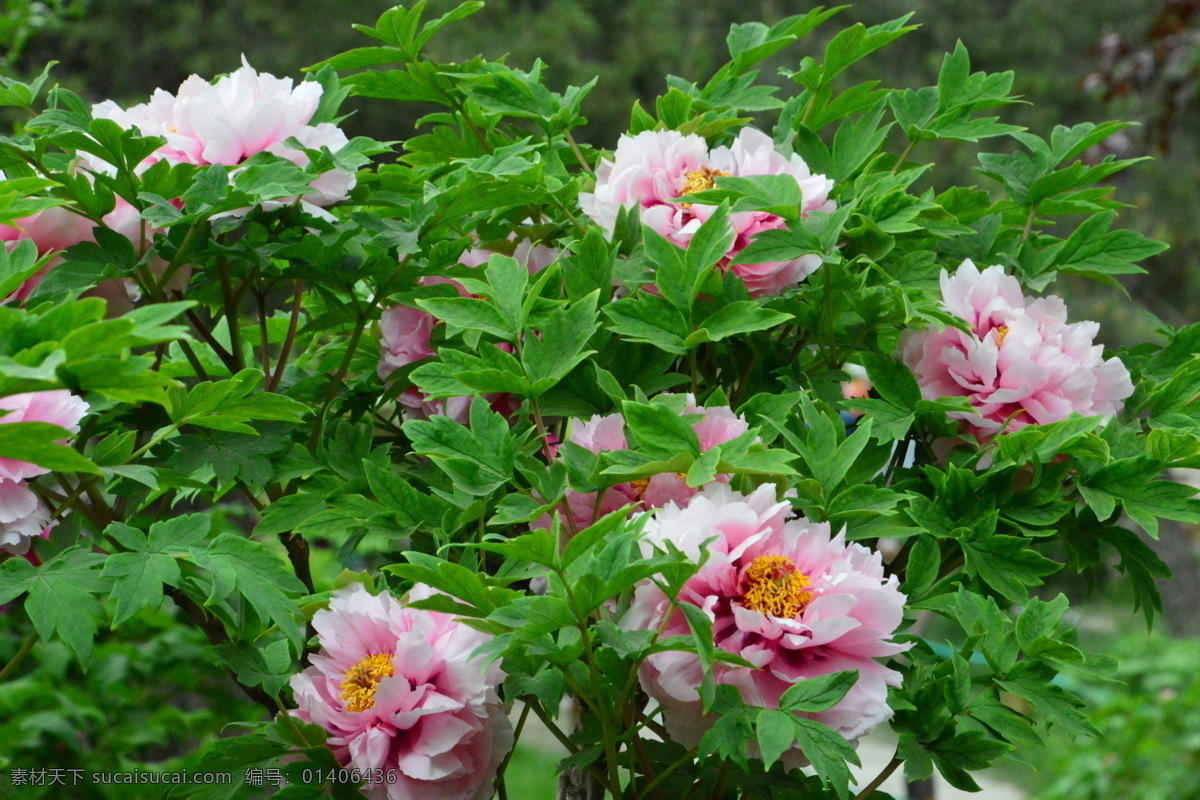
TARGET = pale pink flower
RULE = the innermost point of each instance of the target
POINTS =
(1020, 364)
(651, 170)
(227, 122)
(782, 593)
(405, 333)
(399, 689)
(51, 229)
(22, 517)
(58, 228)
(714, 426)
(56, 407)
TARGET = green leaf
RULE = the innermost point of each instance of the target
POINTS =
(1006, 563)
(259, 576)
(701, 627)
(62, 598)
(138, 580)
(962, 753)
(469, 313)
(657, 431)
(711, 243)
(650, 319)
(1092, 250)
(39, 443)
(560, 348)
(828, 751)
(479, 459)
(507, 280)
(818, 694)
(924, 562)
(741, 316)
(775, 732)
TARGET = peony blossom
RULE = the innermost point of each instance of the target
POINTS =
(58, 407)
(1021, 363)
(398, 690)
(652, 169)
(22, 517)
(715, 426)
(58, 228)
(406, 333)
(50, 229)
(782, 593)
(227, 122)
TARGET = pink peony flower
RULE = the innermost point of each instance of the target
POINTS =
(784, 594)
(1020, 364)
(228, 121)
(58, 407)
(51, 229)
(654, 168)
(405, 334)
(58, 228)
(398, 689)
(22, 517)
(716, 426)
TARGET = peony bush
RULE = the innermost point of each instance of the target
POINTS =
(333, 466)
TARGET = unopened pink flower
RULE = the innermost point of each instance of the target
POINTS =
(714, 426)
(783, 593)
(1020, 363)
(651, 170)
(399, 689)
(57, 407)
(227, 122)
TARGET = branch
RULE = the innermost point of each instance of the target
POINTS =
(215, 632)
(884, 774)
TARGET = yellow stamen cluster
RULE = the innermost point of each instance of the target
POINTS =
(699, 180)
(775, 587)
(1001, 332)
(362, 679)
(641, 484)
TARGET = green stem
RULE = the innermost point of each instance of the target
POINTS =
(686, 758)
(501, 788)
(578, 153)
(260, 302)
(606, 726)
(26, 646)
(338, 378)
(231, 316)
(177, 261)
(286, 351)
(564, 741)
(883, 775)
(190, 354)
(154, 441)
(903, 156)
(223, 354)
(291, 721)
(1029, 224)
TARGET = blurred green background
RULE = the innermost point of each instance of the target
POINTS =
(1075, 60)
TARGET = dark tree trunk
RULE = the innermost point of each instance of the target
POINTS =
(920, 790)
(576, 784)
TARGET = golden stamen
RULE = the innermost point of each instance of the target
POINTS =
(362, 679)
(775, 587)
